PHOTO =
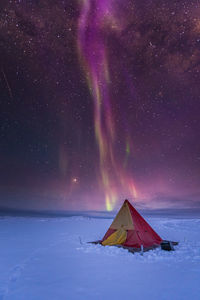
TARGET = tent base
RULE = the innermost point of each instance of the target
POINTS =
(145, 249)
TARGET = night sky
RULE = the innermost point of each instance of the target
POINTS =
(100, 100)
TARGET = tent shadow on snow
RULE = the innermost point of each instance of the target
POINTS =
(129, 230)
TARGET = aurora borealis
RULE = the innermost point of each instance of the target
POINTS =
(99, 101)
(92, 47)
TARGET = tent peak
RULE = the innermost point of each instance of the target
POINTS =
(126, 201)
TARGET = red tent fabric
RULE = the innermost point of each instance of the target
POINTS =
(138, 231)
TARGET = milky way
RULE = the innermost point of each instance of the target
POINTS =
(99, 101)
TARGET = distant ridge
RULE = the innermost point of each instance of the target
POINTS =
(175, 213)
(54, 213)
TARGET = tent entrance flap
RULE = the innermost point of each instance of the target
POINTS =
(116, 238)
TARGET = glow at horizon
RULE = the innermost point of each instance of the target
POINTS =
(97, 17)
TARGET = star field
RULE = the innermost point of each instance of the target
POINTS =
(51, 152)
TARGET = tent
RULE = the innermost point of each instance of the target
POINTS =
(130, 230)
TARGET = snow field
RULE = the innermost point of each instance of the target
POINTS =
(49, 258)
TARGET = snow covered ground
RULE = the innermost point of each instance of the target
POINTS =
(49, 258)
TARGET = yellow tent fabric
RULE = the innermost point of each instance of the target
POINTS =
(116, 238)
(123, 219)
